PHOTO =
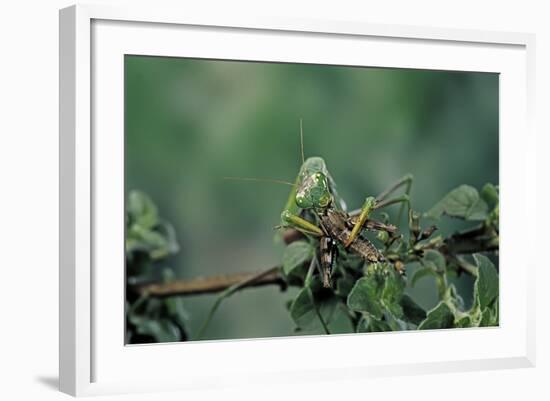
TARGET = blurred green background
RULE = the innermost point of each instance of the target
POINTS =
(190, 122)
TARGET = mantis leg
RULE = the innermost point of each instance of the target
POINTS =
(406, 181)
(403, 199)
(299, 223)
(382, 201)
(403, 181)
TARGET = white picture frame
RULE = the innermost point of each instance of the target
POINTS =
(93, 357)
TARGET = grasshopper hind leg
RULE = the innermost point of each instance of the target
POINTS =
(328, 253)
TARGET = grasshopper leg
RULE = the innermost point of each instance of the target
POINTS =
(379, 202)
(329, 252)
(327, 246)
(368, 207)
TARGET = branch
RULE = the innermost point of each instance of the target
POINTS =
(218, 283)
(479, 239)
(213, 284)
(466, 242)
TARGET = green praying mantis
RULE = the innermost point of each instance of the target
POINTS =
(315, 209)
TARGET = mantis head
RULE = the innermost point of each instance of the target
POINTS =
(314, 192)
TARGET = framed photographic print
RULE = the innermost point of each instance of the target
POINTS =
(297, 196)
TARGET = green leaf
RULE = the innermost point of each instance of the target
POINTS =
(370, 325)
(433, 263)
(338, 319)
(302, 308)
(176, 309)
(489, 316)
(420, 273)
(162, 330)
(463, 322)
(486, 318)
(486, 285)
(365, 296)
(394, 309)
(411, 310)
(435, 259)
(489, 193)
(158, 242)
(169, 234)
(454, 297)
(344, 286)
(495, 309)
(296, 254)
(462, 202)
(288, 304)
(440, 317)
(392, 293)
(395, 323)
(141, 209)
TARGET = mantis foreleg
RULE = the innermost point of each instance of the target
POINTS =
(299, 223)
(291, 215)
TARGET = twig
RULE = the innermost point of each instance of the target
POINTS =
(213, 284)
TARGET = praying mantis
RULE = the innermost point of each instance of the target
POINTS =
(315, 209)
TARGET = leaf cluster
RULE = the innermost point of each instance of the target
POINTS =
(373, 297)
(150, 241)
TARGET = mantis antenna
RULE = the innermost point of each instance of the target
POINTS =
(256, 179)
(302, 141)
(260, 180)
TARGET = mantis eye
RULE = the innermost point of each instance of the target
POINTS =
(324, 200)
(303, 202)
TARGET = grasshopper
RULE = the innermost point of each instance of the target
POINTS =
(315, 209)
